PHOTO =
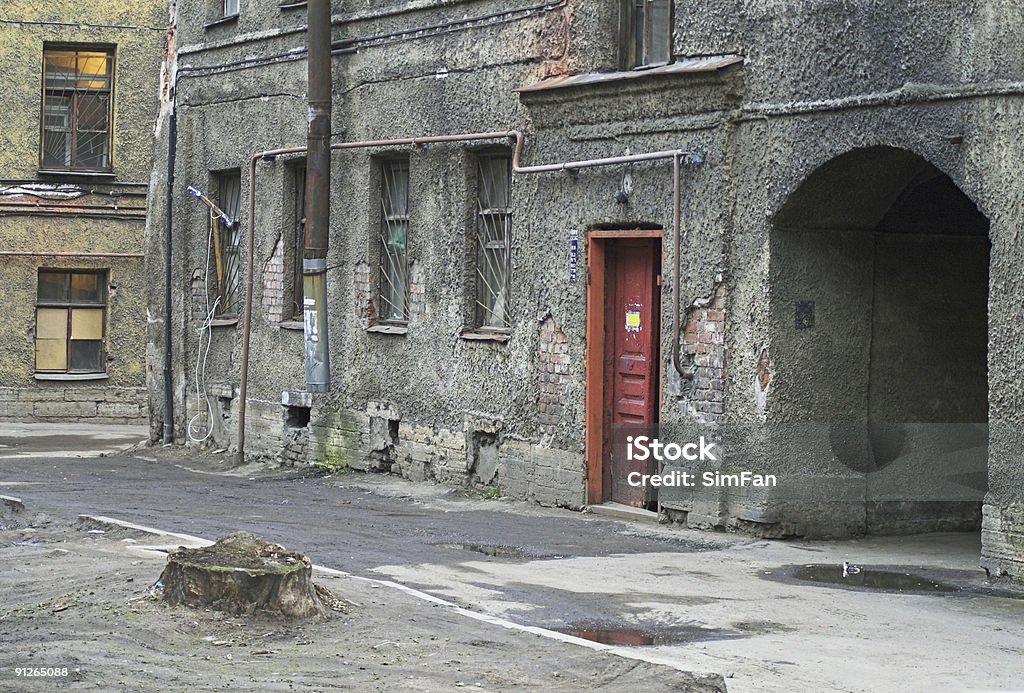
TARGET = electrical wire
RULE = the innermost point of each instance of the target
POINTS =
(203, 353)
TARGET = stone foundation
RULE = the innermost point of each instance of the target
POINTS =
(59, 403)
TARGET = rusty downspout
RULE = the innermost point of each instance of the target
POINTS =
(677, 156)
(318, 199)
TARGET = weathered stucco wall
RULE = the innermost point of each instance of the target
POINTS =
(940, 82)
(91, 222)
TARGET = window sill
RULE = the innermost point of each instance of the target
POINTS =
(478, 336)
(224, 322)
(77, 173)
(230, 19)
(292, 5)
(388, 329)
(71, 376)
(293, 325)
(683, 66)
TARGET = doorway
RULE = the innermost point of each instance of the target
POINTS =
(623, 360)
(879, 299)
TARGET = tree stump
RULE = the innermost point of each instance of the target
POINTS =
(243, 574)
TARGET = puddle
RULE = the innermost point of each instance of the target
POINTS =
(495, 550)
(868, 578)
(639, 637)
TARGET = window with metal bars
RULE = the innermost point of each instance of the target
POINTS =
(226, 240)
(77, 88)
(393, 296)
(71, 310)
(493, 235)
(299, 240)
(645, 29)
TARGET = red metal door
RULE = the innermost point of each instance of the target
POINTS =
(631, 360)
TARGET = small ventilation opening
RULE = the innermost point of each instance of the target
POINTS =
(296, 417)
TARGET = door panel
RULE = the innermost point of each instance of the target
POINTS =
(631, 358)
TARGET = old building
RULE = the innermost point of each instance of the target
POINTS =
(790, 225)
(80, 98)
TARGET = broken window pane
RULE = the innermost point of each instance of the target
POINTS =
(494, 180)
(394, 265)
(86, 323)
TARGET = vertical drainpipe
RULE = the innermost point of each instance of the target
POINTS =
(172, 136)
(318, 198)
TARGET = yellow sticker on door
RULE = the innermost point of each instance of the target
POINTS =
(632, 319)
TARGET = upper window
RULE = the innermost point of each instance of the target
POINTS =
(77, 84)
(394, 236)
(230, 8)
(493, 232)
(227, 239)
(646, 32)
(71, 308)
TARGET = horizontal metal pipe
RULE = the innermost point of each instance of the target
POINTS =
(519, 138)
(63, 253)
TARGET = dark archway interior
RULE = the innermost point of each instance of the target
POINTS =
(879, 297)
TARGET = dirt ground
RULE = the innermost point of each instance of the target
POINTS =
(82, 599)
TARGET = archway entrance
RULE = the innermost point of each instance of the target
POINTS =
(879, 300)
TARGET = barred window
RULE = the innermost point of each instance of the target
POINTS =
(76, 108)
(71, 310)
(227, 240)
(299, 241)
(494, 228)
(394, 236)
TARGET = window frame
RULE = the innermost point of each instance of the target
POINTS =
(225, 13)
(635, 30)
(480, 246)
(69, 305)
(73, 130)
(387, 219)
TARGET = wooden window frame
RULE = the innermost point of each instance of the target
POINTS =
(76, 94)
(69, 305)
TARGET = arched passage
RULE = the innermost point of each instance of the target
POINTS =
(879, 273)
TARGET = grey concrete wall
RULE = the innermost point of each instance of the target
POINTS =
(821, 79)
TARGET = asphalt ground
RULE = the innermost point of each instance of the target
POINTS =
(770, 616)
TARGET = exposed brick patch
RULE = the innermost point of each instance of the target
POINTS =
(273, 298)
(554, 376)
(366, 312)
(417, 292)
(198, 297)
(704, 345)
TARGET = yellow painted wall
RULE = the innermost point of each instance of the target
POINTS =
(138, 30)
